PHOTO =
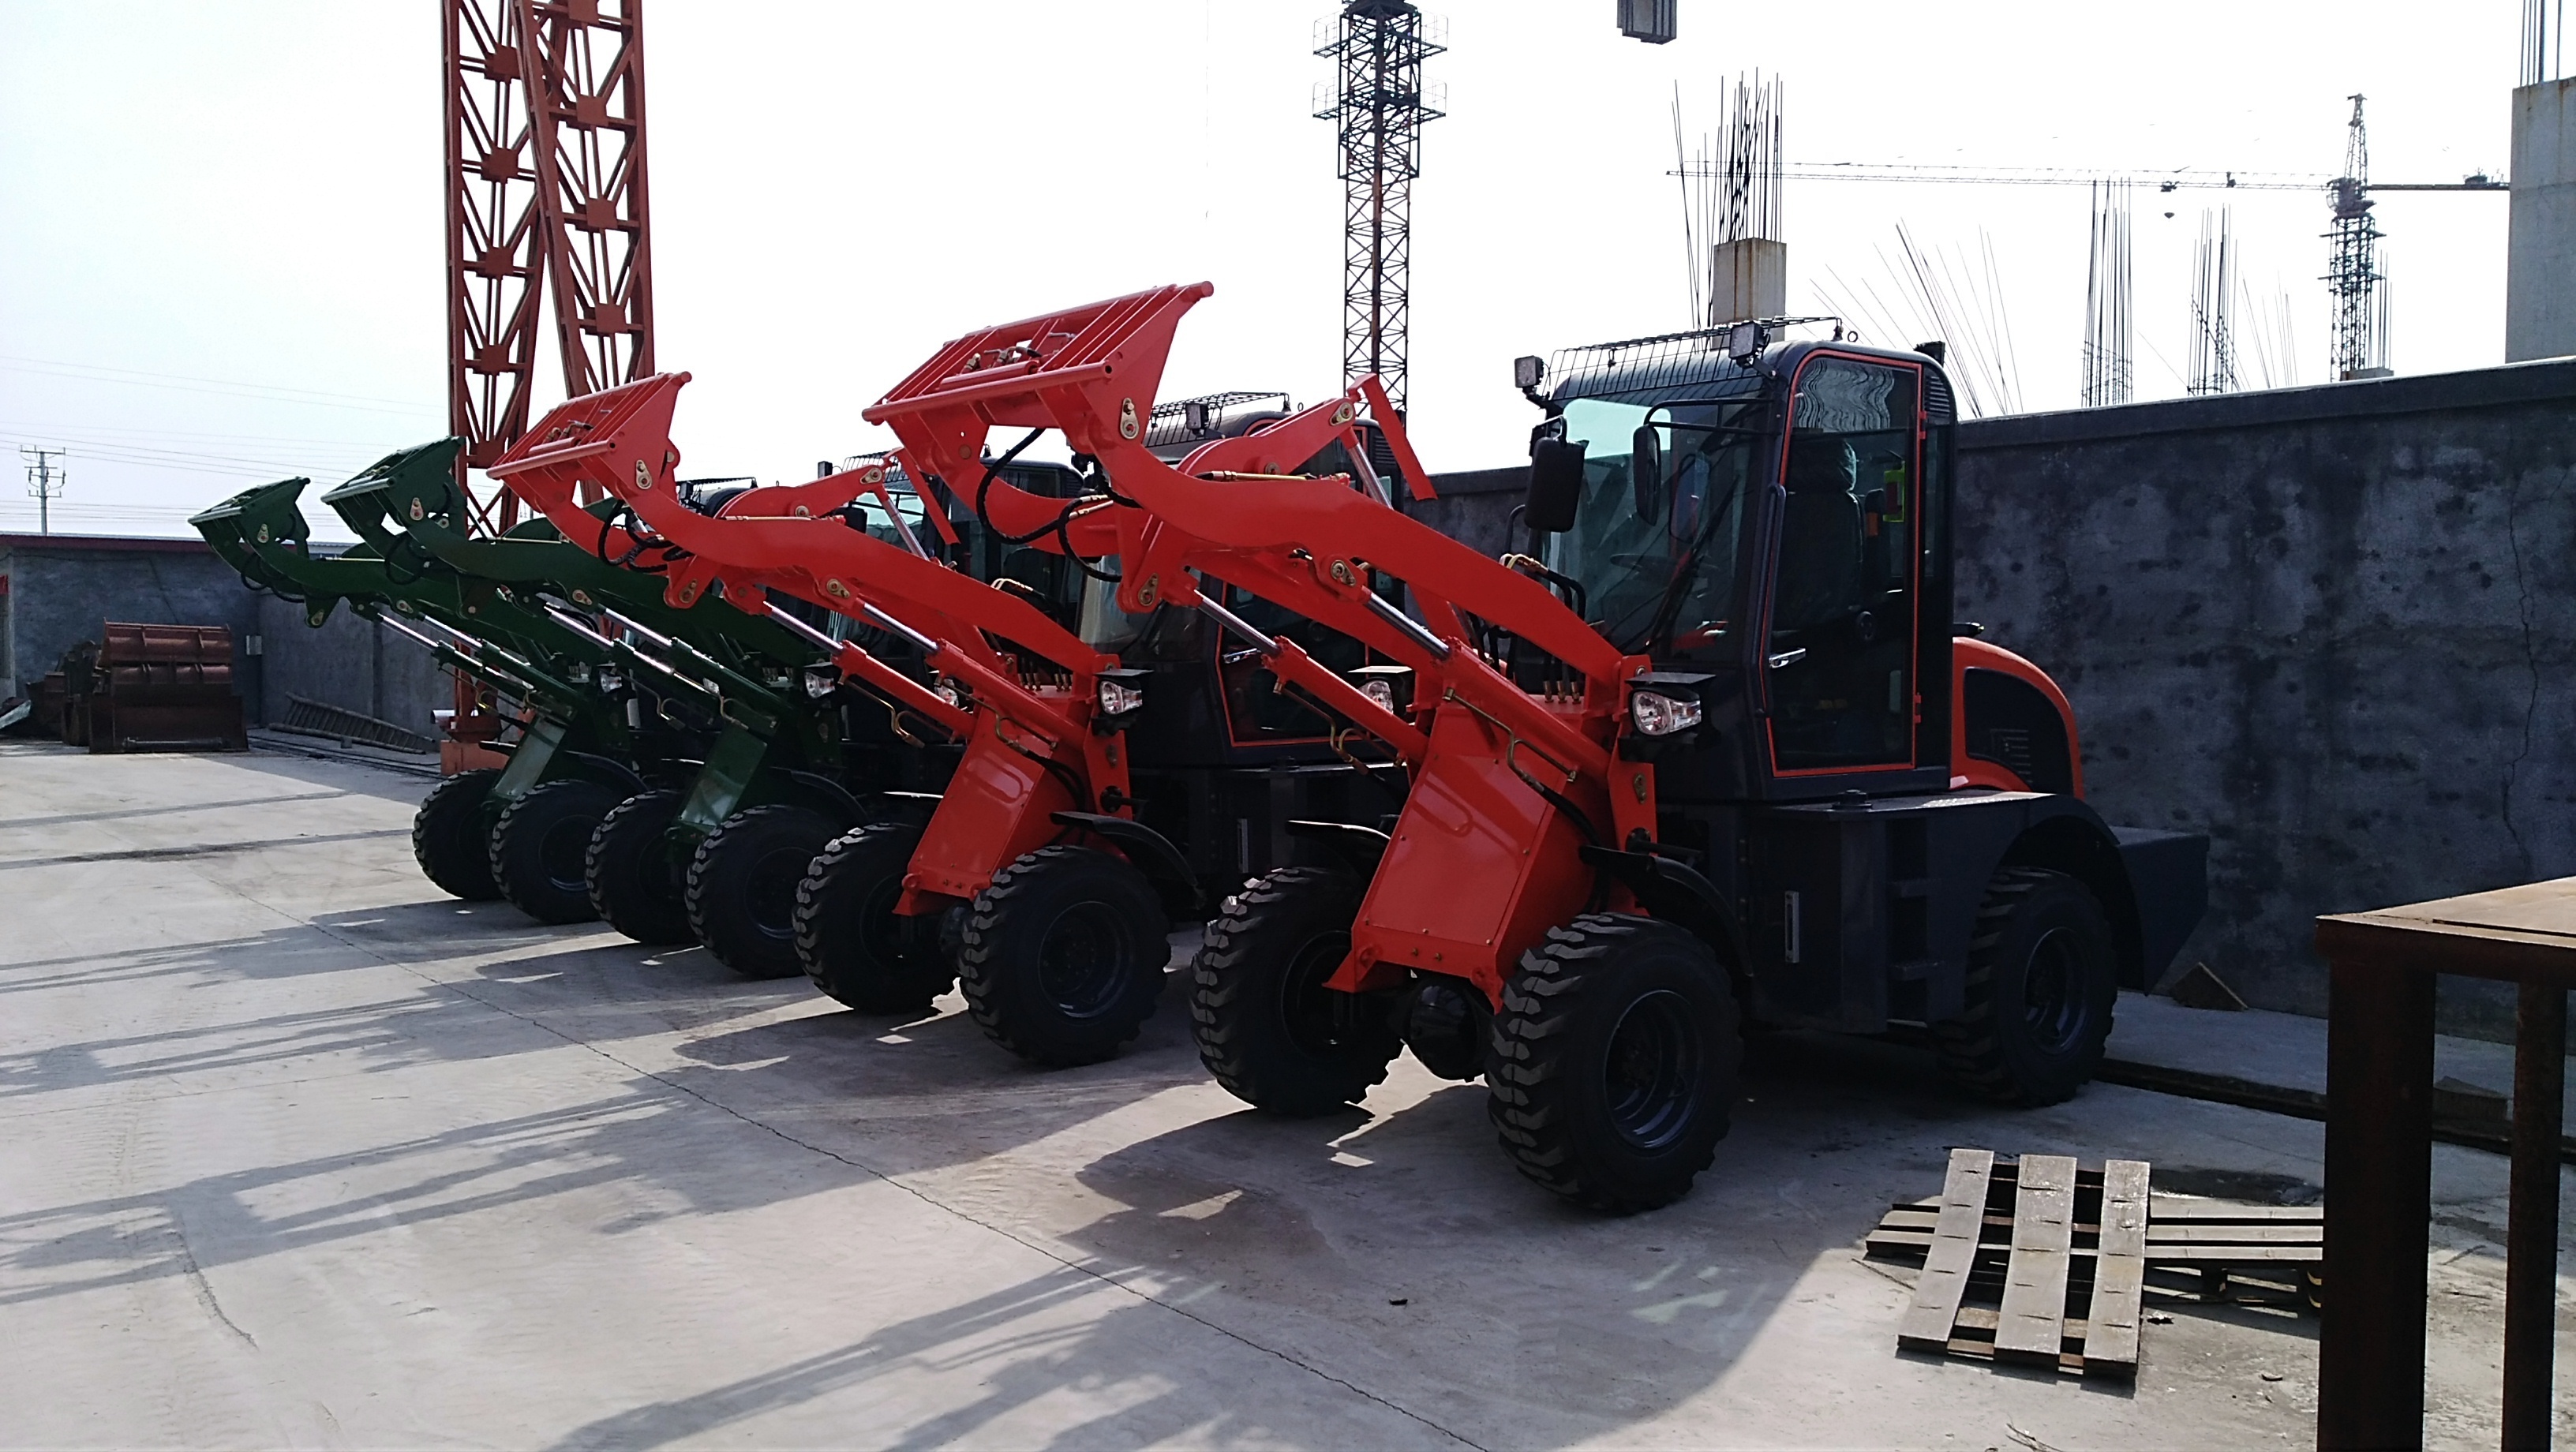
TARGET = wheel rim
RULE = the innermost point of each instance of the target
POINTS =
(883, 938)
(769, 899)
(1313, 1014)
(562, 851)
(1086, 959)
(1652, 1070)
(2052, 999)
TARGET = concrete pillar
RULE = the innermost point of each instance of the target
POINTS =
(2540, 251)
(1748, 279)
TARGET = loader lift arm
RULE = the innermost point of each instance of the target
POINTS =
(1531, 775)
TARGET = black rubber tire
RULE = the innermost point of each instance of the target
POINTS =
(853, 945)
(635, 883)
(448, 840)
(2038, 933)
(540, 842)
(1603, 1004)
(1267, 1028)
(1063, 956)
(742, 887)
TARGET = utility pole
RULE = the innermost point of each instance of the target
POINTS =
(45, 482)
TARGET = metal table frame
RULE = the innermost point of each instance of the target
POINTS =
(2379, 1163)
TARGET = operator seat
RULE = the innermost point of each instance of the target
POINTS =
(1821, 536)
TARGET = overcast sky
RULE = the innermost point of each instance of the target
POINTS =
(221, 254)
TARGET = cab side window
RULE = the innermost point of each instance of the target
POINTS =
(1841, 652)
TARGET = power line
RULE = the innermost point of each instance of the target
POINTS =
(135, 378)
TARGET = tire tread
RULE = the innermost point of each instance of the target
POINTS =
(1531, 1114)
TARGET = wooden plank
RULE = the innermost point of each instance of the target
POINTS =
(2034, 1307)
(2247, 1234)
(1953, 1253)
(2235, 1254)
(1909, 1246)
(2164, 1208)
(2119, 1271)
(1916, 1229)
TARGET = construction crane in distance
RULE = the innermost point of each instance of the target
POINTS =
(2179, 179)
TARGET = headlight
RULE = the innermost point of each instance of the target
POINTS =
(949, 691)
(580, 672)
(1390, 686)
(610, 680)
(821, 681)
(1122, 695)
(1657, 714)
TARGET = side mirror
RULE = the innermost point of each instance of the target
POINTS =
(1555, 485)
(1646, 471)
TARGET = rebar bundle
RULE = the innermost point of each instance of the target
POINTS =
(1732, 188)
(2109, 375)
(2213, 341)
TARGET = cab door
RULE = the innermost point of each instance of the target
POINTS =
(1841, 656)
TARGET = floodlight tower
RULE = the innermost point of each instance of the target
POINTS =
(1378, 47)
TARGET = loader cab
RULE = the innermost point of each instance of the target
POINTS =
(1770, 528)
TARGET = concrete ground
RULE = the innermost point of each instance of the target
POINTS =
(296, 1151)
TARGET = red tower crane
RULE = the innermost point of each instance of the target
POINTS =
(545, 190)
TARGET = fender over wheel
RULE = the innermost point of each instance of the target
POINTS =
(852, 943)
(1614, 1065)
(741, 894)
(1063, 955)
(634, 880)
(1267, 1027)
(541, 844)
(448, 838)
(2043, 974)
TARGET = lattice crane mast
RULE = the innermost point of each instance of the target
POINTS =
(545, 191)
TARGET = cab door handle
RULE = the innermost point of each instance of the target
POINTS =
(1788, 658)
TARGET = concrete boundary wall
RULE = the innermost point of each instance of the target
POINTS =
(2332, 627)
(62, 587)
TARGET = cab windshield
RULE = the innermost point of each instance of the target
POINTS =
(1653, 548)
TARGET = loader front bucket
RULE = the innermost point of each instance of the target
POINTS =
(411, 485)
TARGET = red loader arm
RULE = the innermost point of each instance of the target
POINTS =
(1028, 748)
(1509, 787)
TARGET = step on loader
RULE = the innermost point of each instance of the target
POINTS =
(1709, 752)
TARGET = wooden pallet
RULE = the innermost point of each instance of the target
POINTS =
(2044, 1263)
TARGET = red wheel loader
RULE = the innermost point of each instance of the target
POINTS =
(1037, 861)
(1710, 750)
